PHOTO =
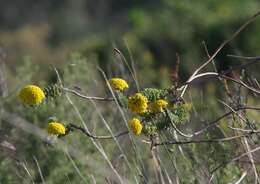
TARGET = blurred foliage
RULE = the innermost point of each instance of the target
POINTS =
(154, 31)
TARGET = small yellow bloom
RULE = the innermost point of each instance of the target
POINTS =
(118, 84)
(158, 105)
(31, 95)
(138, 103)
(136, 126)
(56, 128)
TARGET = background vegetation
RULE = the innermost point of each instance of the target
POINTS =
(78, 36)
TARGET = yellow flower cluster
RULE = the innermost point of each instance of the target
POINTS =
(118, 84)
(158, 106)
(136, 126)
(56, 128)
(31, 95)
(138, 103)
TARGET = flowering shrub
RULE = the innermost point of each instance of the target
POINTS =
(157, 108)
(155, 115)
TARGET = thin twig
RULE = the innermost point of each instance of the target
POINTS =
(234, 159)
(242, 66)
(241, 129)
(175, 127)
(39, 169)
(138, 157)
(98, 146)
(130, 68)
(71, 127)
(207, 52)
(216, 121)
(214, 74)
(86, 97)
(236, 33)
(211, 178)
(234, 111)
(205, 141)
(76, 168)
(242, 84)
(247, 147)
(241, 178)
(27, 171)
(244, 57)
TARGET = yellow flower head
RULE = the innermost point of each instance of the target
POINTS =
(118, 84)
(138, 103)
(31, 95)
(136, 126)
(56, 128)
(158, 105)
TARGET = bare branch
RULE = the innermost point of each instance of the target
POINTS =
(216, 121)
(217, 75)
(236, 33)
(235, 159)
(175, 127)
(241, 178)
(70, 127)
(86, 97)
(206, 141)
(244, 57)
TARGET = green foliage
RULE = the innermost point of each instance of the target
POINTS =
(155, 123)
(179, 113)
(154, 94)
(162, 123)
(6, 167)
(52, 91)
(122, 98)
(149, 129)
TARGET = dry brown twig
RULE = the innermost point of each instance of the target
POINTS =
(235, 159)
(71, 127)
(86, 97)
(226, 139)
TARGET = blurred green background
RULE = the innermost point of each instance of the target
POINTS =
(154, 31)
(79, 35)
